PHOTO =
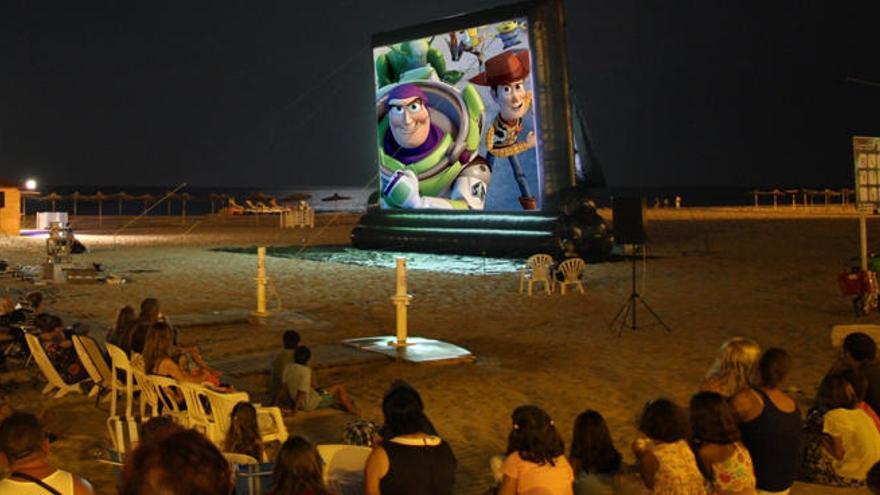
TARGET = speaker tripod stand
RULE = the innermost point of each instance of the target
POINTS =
(628, 312)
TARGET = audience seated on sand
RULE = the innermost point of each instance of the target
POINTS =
(302, 396)
(733, 367)
(243, 436)
(298, 469)
(59, 348)
(770, 423)
(715, 439)
(535, 460)
(26, 448)
(859, 351)
(120, 334)
(411, 458)
(149, 315)
(290, 340)
(595, 461)
(859, 384)
(665, 460)
(847, 445)
(176, 463)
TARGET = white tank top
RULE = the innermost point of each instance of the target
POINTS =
(59, 480)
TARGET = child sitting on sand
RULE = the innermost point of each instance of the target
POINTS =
(303, 395)
(665, 460)
(595, 461)
(535, 461)
(716, 440)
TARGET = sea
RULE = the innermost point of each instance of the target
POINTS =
(353, 199)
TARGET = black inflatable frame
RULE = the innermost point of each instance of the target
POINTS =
(567, 212)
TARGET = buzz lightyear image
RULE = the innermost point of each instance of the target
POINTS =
(435, 148)
(428, 138)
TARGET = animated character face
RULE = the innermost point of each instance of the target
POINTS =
(512, 100)
(409, 121)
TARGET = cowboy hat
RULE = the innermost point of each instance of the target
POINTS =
(504, 68)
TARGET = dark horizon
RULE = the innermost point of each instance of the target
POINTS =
(703, 94)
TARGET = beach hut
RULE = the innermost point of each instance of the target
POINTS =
(10, 207)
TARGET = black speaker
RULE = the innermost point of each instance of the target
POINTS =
(629, 220)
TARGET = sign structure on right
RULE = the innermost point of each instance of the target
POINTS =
(866, 159)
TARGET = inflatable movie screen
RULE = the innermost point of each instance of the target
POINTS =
(456, 122)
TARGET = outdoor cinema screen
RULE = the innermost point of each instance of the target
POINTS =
(456, 123)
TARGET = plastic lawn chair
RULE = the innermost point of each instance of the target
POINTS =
(49, 371)
(537, 270)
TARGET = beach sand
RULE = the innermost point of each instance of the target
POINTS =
(711, 274)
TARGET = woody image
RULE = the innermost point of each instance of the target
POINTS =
(505, 75)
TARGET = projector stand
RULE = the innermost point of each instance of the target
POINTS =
(632, 303)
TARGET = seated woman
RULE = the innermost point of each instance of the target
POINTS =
(848, 444)
(535, 461)
(733, 367)
(723, 458)
(59, 348)
(409, 460)
(120, 334)
(243, 436)
(160, 360)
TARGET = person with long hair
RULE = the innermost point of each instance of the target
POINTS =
(535, 460)
(149, 316)
(715, 438)
(665, 460)
(594, 459)
(848, 444)
(298, 469)
(243, 436)
(770, 423)
(411, 458)
(120, 334)
(158, 359)
(732, 369)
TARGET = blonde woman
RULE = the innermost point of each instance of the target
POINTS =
(158, 359)
(732, 367)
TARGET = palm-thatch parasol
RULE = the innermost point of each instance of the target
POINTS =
(184, 197)
(120, 197)
(168, 197)
(261, 197)
(53, 197)
(215, 197)
(298, 196)
(146, 198)
(75, 196)
(335, 198)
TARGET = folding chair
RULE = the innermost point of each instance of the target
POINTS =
(344, 467)
(49, 371)
(120, 362)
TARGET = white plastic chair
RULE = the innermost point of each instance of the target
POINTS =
(271, 424)
(168, 392)
(148, 396)
(571, 270)
(48, 370)
(221, 406)
(120, 362)
(537, 270)
(344, 467)
(200, 417)
(98, 359)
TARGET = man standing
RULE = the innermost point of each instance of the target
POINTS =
(505, 75)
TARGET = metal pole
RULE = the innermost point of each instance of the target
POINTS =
(401, 300)
(863, 241)
(261, 281)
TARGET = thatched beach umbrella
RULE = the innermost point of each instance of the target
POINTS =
(184, 197)
(53, 197)
(100, 197)
(168, 197)
(146, 198)
(120, 197)
(755, 193)
(222, 197)
(335, 198)
(75, 196)
(261, 197)
(298, 196)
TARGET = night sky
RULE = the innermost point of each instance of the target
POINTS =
(222, 93)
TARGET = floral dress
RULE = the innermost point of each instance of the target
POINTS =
(735, 473)
(65, 361)
(677, 473)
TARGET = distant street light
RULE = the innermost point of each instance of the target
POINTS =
(30, 184)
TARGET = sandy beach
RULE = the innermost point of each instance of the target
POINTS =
(711, 274)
